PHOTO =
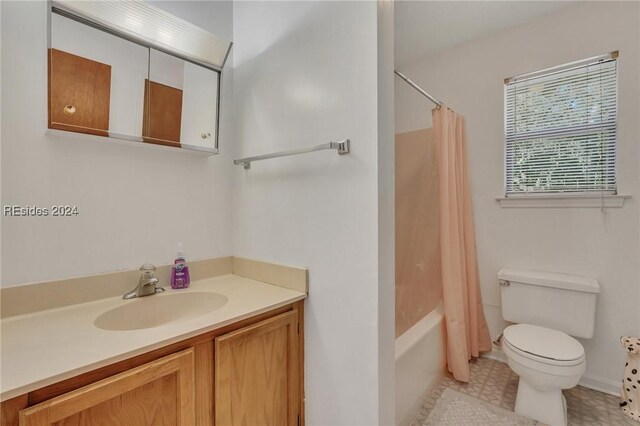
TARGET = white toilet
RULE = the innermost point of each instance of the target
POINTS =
(548, 309)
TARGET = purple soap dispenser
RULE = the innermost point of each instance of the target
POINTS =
(180, 271)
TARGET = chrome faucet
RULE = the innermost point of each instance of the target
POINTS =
(147, 285)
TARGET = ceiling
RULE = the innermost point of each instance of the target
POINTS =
(424, 28)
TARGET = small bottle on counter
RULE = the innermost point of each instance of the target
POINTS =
(180, 271)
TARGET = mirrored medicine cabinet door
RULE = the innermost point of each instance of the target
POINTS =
(180, 107)
(96, 81)
(107, 84)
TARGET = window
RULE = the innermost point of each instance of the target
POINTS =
(561, 129)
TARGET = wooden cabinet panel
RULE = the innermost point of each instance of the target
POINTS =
(162, 114)
(204, 383)
(257, 374)
(161, 392)
(79, 93)
(10, 410)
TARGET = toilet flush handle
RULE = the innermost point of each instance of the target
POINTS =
(504, 283)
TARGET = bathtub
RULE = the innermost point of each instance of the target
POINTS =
(420, 364)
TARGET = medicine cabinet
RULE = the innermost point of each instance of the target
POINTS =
(129, 70)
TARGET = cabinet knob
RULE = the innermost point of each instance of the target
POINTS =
(205, 135)
(69, 109)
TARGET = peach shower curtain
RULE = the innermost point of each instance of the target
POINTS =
(467, 331)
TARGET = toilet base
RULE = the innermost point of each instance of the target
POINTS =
(548, 407)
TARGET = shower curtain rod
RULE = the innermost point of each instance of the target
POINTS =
(419, 89)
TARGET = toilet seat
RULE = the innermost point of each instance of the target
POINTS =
(544, 345)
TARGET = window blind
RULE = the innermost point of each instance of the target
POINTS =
(561, 129)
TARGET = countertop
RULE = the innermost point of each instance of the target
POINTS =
(45, 347)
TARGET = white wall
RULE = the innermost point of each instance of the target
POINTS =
(166, 69)
(306, 73)
(135, 203)
(576, 241)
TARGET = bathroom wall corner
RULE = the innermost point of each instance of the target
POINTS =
(386, 215)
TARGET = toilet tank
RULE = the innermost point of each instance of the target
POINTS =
(562, 302)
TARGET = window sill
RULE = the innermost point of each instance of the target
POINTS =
(570, 201)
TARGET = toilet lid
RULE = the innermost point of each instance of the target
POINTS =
(543, 342)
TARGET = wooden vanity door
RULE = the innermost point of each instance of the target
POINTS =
(79, 94)
(154, 394)
(257, 374)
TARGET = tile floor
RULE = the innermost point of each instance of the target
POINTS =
(494, 382)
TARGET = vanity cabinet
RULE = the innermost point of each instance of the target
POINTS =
(246, 373)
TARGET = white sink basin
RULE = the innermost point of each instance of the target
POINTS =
(159, 309)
